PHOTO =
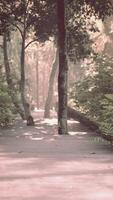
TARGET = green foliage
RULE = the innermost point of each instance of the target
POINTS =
(79, 24)
(41, 18)
(106, 128)
(101, 8)
(94, 95)
(6, 107)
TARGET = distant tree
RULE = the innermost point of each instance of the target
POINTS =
(51, 85)
(37, 84)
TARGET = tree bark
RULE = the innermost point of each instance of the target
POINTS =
(11, 90)
(22, 83)
(63, 70)
(37, 85)
(44, 85)
(26, 105)
(51, 87)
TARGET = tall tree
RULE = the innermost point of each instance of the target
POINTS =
(63, 70)
(78, 39)
(85, 8)
(37, 84)
(51, 86)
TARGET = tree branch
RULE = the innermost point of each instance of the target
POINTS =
(20, 21)
(27, 3)
(35, 40)
(15, 25)
(1, 46)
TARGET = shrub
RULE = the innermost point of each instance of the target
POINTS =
(6, 107)
(94, 95)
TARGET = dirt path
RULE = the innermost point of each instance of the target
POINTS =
(38, 164)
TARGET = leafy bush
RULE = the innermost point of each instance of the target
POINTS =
(6, 107)
(94, 95)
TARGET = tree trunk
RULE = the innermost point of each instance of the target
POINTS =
(63, 70)
(22, 84)
(51, 87)
(37, 85)
(11, 90)
(44, 86)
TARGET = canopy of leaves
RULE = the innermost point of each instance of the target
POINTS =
(100, 8)
(22, 14)
(41, 17)
(80, 15)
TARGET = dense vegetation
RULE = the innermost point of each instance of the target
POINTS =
(7, 111)
(94, 94)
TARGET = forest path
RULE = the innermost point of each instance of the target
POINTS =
(38, 164)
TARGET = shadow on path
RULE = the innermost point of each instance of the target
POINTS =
(37, 163)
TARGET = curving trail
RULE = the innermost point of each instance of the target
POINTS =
(38, 164)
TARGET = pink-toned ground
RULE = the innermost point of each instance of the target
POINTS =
(38, 164)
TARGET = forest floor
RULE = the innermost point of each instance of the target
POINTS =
(38, 164)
